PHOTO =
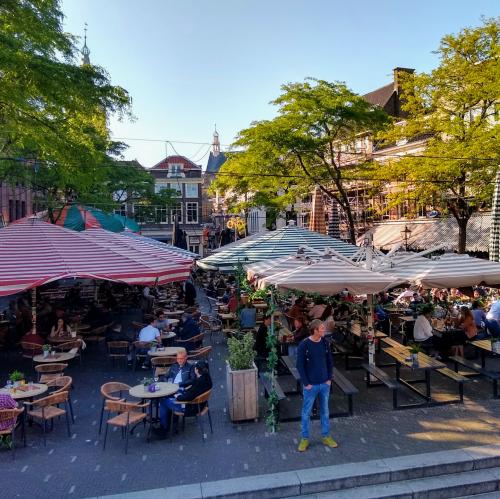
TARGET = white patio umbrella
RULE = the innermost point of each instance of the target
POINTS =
(330, 277)
(446, 271)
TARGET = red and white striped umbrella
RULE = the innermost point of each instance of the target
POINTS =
(33, 253)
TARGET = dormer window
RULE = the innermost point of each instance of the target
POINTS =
(175, 169)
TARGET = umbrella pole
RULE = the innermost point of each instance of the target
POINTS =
(33, 310)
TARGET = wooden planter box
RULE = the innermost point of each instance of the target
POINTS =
(242, 393)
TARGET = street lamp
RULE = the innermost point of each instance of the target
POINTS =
(405, 234)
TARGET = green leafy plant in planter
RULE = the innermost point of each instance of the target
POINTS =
(272, 365)
(241, 352)
(46, 348)
(414, 348)
(258, 295)
(16, 376)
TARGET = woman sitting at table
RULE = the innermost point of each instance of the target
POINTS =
(467, 324)
(423, 331)
(317, 311)
(60, 330)
(201, 384)
(300, 332)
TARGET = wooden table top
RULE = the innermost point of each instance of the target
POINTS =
(58, 357)
(167, 335)
(407, 318)
(25, 391)
(424, 361)
(259, 305)
(174, 312)
(227, 316)
(482, 344)
(166, 351)
(166, 389)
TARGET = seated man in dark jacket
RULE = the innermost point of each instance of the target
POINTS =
(182, 372)
(201, 384)
(188, 328)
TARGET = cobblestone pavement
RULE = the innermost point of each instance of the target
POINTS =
(78, 467)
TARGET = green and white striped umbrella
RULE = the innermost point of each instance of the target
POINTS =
(279, 243)
(495, 222)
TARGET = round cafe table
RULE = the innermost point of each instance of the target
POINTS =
(167, 335)
(174, 313)
(166, 351)
(58, 357)
(64, 339)
(25, 391)
(165, 390)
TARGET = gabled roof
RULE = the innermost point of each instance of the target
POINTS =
(187, 163)
(381, 96)
(215, 162)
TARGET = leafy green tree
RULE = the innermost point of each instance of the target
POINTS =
(456, 106)
(302, 146)
(53, 111)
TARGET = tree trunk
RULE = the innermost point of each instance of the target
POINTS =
(462, 234)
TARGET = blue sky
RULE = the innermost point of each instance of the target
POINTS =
(191, 63)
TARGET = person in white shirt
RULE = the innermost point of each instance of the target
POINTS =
(423, 332)
(150, 332)
(493, 319)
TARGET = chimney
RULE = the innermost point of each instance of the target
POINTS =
(397, 77)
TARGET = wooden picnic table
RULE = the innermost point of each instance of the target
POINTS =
(484, 347)
(425, 363)
(227, 318)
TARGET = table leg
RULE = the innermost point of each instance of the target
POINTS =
(428, 384)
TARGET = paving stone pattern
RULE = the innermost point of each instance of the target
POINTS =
(78, 467)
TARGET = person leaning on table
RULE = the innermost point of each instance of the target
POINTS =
(315, 365)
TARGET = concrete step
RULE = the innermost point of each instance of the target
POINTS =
(457, 485)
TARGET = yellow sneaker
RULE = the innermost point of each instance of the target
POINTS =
(303, 445)
(329, 442)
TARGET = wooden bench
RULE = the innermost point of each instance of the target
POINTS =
(384, 379)
(347, 354)
(455, 376)
(478, 371)
(348, 389)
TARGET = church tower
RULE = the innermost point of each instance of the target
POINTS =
(85, 50)
(216, 143)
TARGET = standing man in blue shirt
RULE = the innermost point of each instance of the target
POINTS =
(315, 365)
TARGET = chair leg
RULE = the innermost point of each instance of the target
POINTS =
(105, 436)
(210, 421)
(44, 428)
(67, 418)
(126, 439)
(71, 409)
(13, 440)
(200, 422)
(102, 415)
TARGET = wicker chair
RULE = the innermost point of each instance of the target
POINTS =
(211, 325)
(200, 411)
(161, 365)
(127, 417)
(11, 416)
(195, 340)
(74, 346)
(47, 372)
(140, 351)
(118, 350)
(201, 353)
(30, 349)
(47, 409)
(112, 391)
(63, 384)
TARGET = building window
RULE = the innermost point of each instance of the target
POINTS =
(177, 188)
(191, 190)
(176, 213)
(161, 215)
(192, 213)
(194, 248)
(174, 169)
(121, 210)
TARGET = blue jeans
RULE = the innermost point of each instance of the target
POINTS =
(166, 407)
(323, 391)
(493, 327)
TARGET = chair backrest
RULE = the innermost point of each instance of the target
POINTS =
(30, 349)
(163, 361)
(109, 389)
(118, 347)
(202, 353)
(62, 383)
(69, 345)
(57, 398)
(50, 368)
(141, 345)
(200, 399)
(195, 339)
(9, 416)
(119, 406)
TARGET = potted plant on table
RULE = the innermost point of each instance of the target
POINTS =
(16, 377)
(414, 351)
(46, 350)
(154, 346)
(241, 374)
